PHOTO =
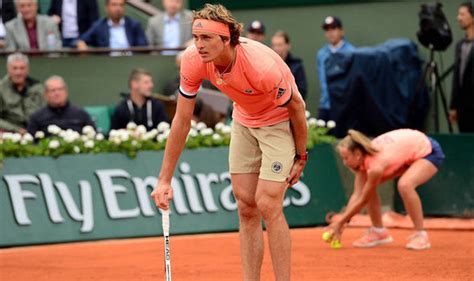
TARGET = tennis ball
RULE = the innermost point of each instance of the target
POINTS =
(336, 244)
(327, 236)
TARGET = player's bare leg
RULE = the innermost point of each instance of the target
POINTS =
(375, 210)
(418, 173)
(251, 234)
(269, 198)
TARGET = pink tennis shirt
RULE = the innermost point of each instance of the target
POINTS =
(260, 83)
(398, 149)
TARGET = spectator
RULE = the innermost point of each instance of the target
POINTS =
(171, 28)
(334, 33)
(462, 98)
(58, 111)
(139, 107)
(256, 31)
(74, 17)
(116, 31)
(20, 95)
(7, 12)
(281, 45)
(30, 31)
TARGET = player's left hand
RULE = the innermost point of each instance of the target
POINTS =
(296, 171)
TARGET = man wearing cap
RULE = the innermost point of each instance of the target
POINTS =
(267, 152)
(334, 33)
(256, 31)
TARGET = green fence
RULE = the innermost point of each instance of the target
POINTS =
(89, 197)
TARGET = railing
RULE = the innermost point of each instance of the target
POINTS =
(93, 51)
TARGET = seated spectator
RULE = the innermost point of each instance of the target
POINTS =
(20, 95)
(256, 31)
(171, 28)
(30, 31)
(281, 45)
(139, 107)
(335, 36)
(116, 31)
(58, 111)
(74, 17)
(7, 12)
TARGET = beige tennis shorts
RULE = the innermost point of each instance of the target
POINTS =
(268, 151)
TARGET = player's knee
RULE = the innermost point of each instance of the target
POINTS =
(404, 187)
(247, 210)
(268, 209)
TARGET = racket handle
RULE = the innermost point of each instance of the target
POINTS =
(165, 220)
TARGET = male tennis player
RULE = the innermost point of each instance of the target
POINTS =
(268, 140)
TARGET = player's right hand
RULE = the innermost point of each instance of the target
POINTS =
(162, 194)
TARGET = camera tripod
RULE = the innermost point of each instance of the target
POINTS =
(431, 74)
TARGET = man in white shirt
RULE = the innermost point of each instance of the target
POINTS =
(74, 17)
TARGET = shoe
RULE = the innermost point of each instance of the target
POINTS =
(419, 241)
(372, 239)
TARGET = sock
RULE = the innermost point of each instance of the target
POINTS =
(378, 229)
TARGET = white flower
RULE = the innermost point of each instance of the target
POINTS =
(141, 130)
(16, 138)
(307, 114)
(312, 122)
(84, 138)
(62, 134)
(131, 126)
(216, 137)
(226, 130)
(150, 135)
(219, 126)
(113, 134)
(166, 133)
(163, 126)
(331, 124)
(89, 144)
(39, 135)
(7, 136)
(134, 143)
(193, 133)
(88, 130)
(124, 135)
(27, 137)
(99, 137)
(116, 140)
(23, 142)
(71, 136)
(207, 132)
(321, 123)
(161, 138)
(53, 144)
(54, 130)
(201, 126)
(76, 149)
(193, 124)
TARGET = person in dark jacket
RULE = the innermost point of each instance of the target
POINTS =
(58, 111)
(281, 45)
(74, 17)
(116, 31)
(462, 98)
(139, 107)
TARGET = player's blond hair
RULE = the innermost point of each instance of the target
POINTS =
(357, 140)
(220, 14)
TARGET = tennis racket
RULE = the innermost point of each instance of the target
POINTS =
(165, 220)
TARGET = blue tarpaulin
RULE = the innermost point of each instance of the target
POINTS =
(377, 89)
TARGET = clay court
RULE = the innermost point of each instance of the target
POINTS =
(216, 257)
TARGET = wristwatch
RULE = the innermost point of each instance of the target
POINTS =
(303, 156)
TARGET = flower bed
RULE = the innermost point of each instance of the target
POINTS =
(132, 139)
